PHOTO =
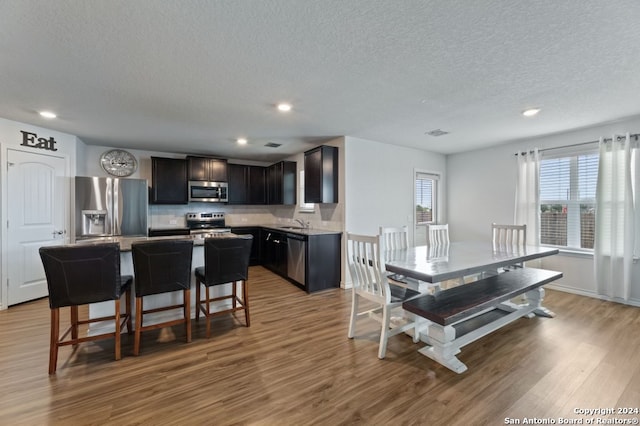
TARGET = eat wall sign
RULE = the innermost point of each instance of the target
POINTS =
(33, 141)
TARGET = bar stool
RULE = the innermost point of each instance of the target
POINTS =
(226, 260)
(162, 267)
(80, 275)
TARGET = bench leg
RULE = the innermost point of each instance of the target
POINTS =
(535, 298)
(354, 315)
(442, 349)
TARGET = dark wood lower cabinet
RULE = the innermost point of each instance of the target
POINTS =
(323, 262)
(321, 258)
(274, 251)
(254, 258)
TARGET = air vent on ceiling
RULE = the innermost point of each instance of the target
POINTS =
(273, 145)
(437, 132)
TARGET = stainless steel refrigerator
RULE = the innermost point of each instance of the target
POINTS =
(107, 207)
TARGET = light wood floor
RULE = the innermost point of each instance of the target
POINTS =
(295, 366)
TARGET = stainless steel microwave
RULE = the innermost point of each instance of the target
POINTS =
(208, 192)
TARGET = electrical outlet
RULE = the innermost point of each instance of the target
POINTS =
(173, 222)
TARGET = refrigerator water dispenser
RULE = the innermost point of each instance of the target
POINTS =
(93, 222)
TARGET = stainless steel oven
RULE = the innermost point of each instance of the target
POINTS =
(206, 224)
(208, 192)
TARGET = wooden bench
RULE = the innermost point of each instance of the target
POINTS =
(463, 314)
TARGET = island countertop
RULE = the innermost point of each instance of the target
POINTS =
(125, 242)
(198, 239)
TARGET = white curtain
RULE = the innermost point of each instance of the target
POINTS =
(527, 211)
(614, 234)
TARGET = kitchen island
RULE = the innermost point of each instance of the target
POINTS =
(308, 258)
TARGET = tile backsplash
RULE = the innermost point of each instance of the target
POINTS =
(173, 216)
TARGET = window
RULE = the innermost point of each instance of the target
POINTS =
(426, 191)
(568, 199)
(302, 206)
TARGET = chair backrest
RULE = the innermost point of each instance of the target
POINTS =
(226, 259)
(509, 235)
(366, 268)
(81, 274)
(392, 238)
(162, 266)
(438, 235)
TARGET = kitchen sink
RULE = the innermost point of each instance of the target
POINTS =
(291, 227)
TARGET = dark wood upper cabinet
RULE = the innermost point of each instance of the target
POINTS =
(168, 181)
(257, 184)
(238, 178)
(281, 183)
(247, 184)
(321, 175)
(207, 169)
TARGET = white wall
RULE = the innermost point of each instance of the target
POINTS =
(12, 138)
(379, 187)
(481, 190)
(379, 184)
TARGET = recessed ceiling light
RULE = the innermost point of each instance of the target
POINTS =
(530, 112)
(284, 107)
(242, 141)
(436, 132)
(47, 114)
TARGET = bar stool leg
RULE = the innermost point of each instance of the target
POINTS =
(245, 301)
(53, 343)
(207, 312)
(197, 300)
(186, 294)
(234, 295)
(117, 332)
(138, 331)
(128, 311)
(74, 324)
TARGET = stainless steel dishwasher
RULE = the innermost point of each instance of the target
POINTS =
(296, 252)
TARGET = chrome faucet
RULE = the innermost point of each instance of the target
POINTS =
(304, 225)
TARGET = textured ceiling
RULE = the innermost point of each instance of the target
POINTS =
(193, 75)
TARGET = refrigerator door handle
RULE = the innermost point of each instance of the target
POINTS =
(115, 210)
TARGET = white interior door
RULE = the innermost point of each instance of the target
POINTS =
(37, 199)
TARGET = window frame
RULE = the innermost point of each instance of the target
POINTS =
(435, 177)
(574, 201)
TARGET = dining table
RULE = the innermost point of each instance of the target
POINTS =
(466, 312)
(439, 263)
(456, 260)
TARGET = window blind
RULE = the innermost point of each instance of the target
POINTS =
(425, 192)
(568, 200)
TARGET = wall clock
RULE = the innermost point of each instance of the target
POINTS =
(118, 162)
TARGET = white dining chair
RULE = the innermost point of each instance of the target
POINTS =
(438, 243)
(509, 237)
(369, 282)
(392, 238)
(438, 235)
